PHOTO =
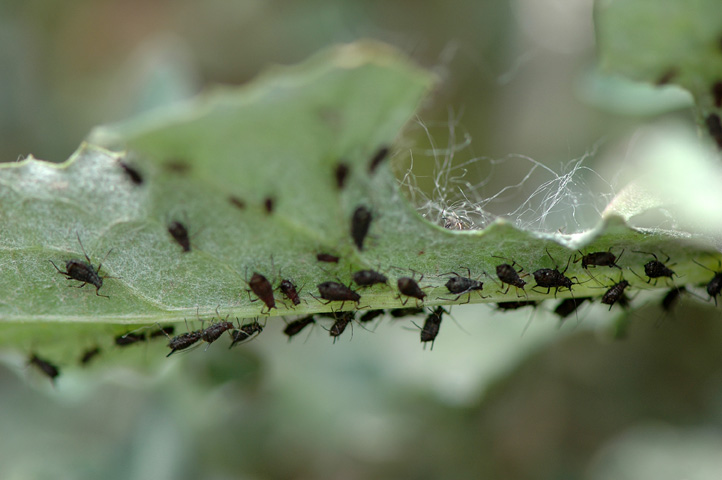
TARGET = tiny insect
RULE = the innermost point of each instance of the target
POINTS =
(327, 257)
(460, 285)
(667, 77)
(714, 286)
(370, 315)
(717, 93)
(237, 202)
(268, 204)
(84, 272)
(378, 157)
(569, 305)
(263, 290)
(296, 326)
(615, 293)
(129, 339)
(409, 287)
(166, 330)
(655, 268)
(599, 259)
(515, 305)
(360, 224)
(88, 355)
(245, 332)
(552, 278)
(432, 324)
(714, 127)
(183, 341)
(132, 173)
(289, 290)
(367, 278)
(214, 332)
(341, 174)
(406, 312)
(45, 366)
(671, 298)
(337, 292)
(177, 165)
(340, 324)
(179, 232)
(509, 275)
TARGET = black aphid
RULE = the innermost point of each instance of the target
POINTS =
(509, 275)
(245, 332)
(406, 312)
(671, 298)
(263, 290)
(183, 341)
(366, 278)
(552, 278)
(179, 232)
(714, 128)
(360, 224)
(129, 339)
(83, 272)
(337, 292)
(569, 305)
(237, 202)
(615, 293)
(714, 286)
(599, 259)
(460, 285)
(432, 324)
(88, 355)
(177, 165)
(166, 330)
(655, 268)
(45, 366)
(341, 174)
(717, 93)
(378, 157)
(289, 290)
(342, 321)
(295, 327)
(214, 332)
(132, 173)
(268, 204)
(667, 77)
(409, 287)
(370, 315)
(515, 305)
(327, 257)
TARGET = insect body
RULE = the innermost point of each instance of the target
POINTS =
(214, 332)
(46, 367)
(268, 205)
(337, 292)
(88, 355)
(509, 275)
(295, 327)
(409, 287)
(459, 285)
(714, 286)
(167, 330)
(340, 324)
(656, 269)
(405, 312)
(552, 278)
(263, 290)
(179, 232)
(83, 272)
(432, 325)
(599, 259)
(366, 278)
(327, 257)
(183, 341)
(245, 332)
(132, 173)
(129, 339)
(515, 305)
(671, 298)
(360, 224)
(341, 173)
(569, 305)
(378, 158)
(615, 293)
(370, 315)
(289, 290)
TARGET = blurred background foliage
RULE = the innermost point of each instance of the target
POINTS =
(492, 400)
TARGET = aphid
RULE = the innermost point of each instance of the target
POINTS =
(667, 77)
(717, 93)
(340, 324)
(245, 332)
(509, 275)
(129, 339)
(599, 259)
(655, 268)
(237, 202)
(378, 157)
(327, 257)
(84, 272)
(268, 205)
(341, 173)
(177, 165)
(432, 325)
(671, 298)
(459, 285)
(88, 355)
(569, 305)
(366, 278)
(615, 293)
(714, 127)
(360, 223)
(406, 312)
(167, 330)
(214, 332)
(552, 278)
(337, 292)
(371, 315)
(132, 173)
(46, 367)
(289, 290)
(179, 232)
(714, 286)
(263, 290)
(295, 327)
(183, 341)
(409, 287)
(515, 305)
